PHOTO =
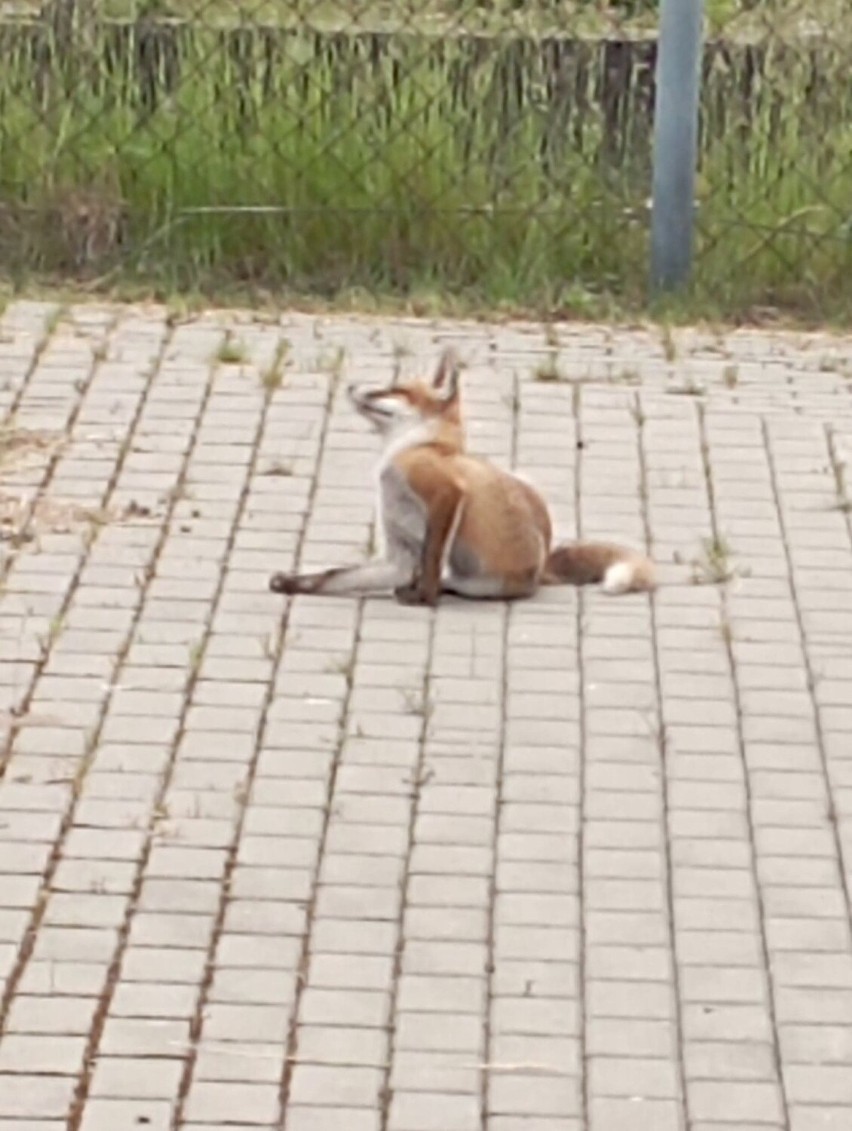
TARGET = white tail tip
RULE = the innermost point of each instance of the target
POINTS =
(619, 578)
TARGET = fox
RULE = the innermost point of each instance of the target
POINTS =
(449, 522)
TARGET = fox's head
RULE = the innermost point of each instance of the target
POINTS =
(396, 408)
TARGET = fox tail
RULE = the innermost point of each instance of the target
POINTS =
(617, 569)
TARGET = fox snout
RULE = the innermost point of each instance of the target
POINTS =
(364, 397)
(359, 399)
(355, 395)
(383, 408)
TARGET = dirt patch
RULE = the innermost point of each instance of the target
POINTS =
(22, 521)
(26, 513)
(19, 446)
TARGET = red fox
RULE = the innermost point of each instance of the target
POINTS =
(450, 522)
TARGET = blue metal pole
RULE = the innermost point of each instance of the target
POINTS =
(675, 142)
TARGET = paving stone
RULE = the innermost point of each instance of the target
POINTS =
(422, 1111)
(617, 848)
(103, 1114)
(429, 1032)
(441, 995)
(320, 1118)
(224, 1021)
(57, 1016)
(734, 1102)
(33, 1125)
(43, 1055)
(639, 1078)
(619, 1114)
(144, 1037)
(35, 1097)
(131, 1078)
(228, 1102)
(341, 1085)
(818, 1117)
(532, 1094)
(154, 1000)
(343, 1045)
(532, 1123)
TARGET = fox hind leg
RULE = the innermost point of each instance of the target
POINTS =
(486, 587)
(369, 577)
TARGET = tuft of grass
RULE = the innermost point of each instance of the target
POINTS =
(416, 703)
(278, 469)
(668, 343)
(549, 369)
(842, 500)
(714, 565)
(232, 352)
(196, 655)
(331, 361)
(56, 627)
(689, 388)
(726, 631)
(272, 377)
(345, 666)
(628, 375)
(53, 319)
(551, 336)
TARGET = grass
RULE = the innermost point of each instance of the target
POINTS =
(272, 377)
(669, 345)
(714, 566)
(842, 501)
(440, 171)
(231, 352)
(745, 21)
(549, 369)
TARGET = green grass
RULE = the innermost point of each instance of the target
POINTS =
(772, 223)
(416, 173)
(742, 20)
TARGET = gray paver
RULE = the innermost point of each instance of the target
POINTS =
(603, 878)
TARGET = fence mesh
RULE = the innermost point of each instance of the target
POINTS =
(500, 148)
(774, 200)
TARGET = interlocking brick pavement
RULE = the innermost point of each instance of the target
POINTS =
(574, 863)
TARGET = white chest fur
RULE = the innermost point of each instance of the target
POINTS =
(400, 513)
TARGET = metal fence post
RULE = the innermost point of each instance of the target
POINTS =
(675, 141)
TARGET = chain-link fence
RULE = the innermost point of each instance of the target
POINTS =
(499, 149)
(774, 197)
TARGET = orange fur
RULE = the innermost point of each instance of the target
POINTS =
(454, 522)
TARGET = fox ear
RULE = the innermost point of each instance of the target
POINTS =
(446, 379)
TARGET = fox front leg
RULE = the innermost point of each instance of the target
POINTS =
(445, 512)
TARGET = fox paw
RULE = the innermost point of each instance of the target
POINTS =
(413, 595)
(284, 583)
